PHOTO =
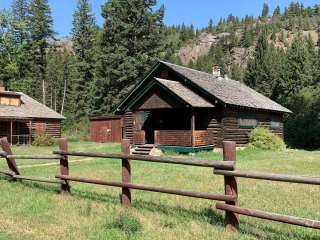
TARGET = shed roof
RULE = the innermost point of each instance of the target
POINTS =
(29, 108)
(186, 94)
(228, 91)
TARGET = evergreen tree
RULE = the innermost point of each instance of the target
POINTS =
(20, 9)
(131, 41)
(20, 26)
(265, 70)
(265, 11)
(8, 49)
(40, 23)
(210, 26)
(277, 12)
(83, 36)
(298, 67)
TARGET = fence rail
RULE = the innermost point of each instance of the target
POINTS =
(228, 165)
(226, 168)
(270, 176)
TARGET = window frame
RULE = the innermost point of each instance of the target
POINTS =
(247, 116)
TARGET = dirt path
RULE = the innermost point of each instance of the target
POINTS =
(53, 164)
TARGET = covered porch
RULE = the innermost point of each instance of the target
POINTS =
(16, 130)
(181, 130)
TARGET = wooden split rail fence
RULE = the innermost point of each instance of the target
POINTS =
(225, 168)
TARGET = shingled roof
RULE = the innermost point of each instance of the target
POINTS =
(29, 108)
(226, 90)
(186, 94)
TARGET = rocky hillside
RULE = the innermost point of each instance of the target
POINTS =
(238, 55)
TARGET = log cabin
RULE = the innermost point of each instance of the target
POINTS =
(185, 110)
(22, 117)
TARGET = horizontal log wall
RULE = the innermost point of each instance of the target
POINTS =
(139, 137)
(128, 125)
(231, 131)
(215, 128)
(52, 127)
(202, 138)
(173, 138)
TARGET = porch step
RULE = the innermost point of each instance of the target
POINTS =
(143, 149)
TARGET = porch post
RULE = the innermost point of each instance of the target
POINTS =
(192, 128)
(30, 132)
(11, 131)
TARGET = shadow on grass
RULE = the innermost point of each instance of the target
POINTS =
(208, 215)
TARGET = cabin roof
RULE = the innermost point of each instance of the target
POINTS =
(186, 94)
(228, 91)
(29, 108)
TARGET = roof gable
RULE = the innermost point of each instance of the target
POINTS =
(162, 93)
(213, 89)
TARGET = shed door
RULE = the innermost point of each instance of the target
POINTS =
(109, 130)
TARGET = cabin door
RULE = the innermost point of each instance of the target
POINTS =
(143, 123)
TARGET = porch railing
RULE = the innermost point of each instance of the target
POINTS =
(202, 138)
(139, 137)
(22, 139)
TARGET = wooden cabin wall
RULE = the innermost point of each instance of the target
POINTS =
(215, 128)
(231, 131)
(47, 126)
(128, 124)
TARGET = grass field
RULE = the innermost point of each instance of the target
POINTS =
(37, 211)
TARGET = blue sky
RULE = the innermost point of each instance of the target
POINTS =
(177, 11)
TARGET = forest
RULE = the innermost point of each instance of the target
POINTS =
(96, 70)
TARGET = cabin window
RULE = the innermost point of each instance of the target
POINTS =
(275, 124)
(247, 120)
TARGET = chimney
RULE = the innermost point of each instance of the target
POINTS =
(2, 88)
(216, 71)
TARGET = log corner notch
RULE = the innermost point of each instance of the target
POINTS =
(126, 174)
(5, 145)
(230, 186)
(64, 165)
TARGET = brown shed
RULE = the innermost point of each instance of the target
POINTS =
(106, 129)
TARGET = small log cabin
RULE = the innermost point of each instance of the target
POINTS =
(181, 109)
(21, 117)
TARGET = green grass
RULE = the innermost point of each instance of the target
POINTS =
(36, 211)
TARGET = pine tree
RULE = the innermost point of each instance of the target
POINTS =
(298, 67)
(131, 41)
(8, 50)
(277, 12)
(20, 25)
(20, 9)
(40, 23)
(265, 70)
(83, 36)
(265, 11)
(210, 26)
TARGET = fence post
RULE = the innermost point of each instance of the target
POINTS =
(10, 161)
(126, 174)
(230, 186)
(64, 164)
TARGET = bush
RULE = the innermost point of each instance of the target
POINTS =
(263, 138)
(42, 140)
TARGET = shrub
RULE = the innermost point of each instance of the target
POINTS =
(42, 139)
(263, 138)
